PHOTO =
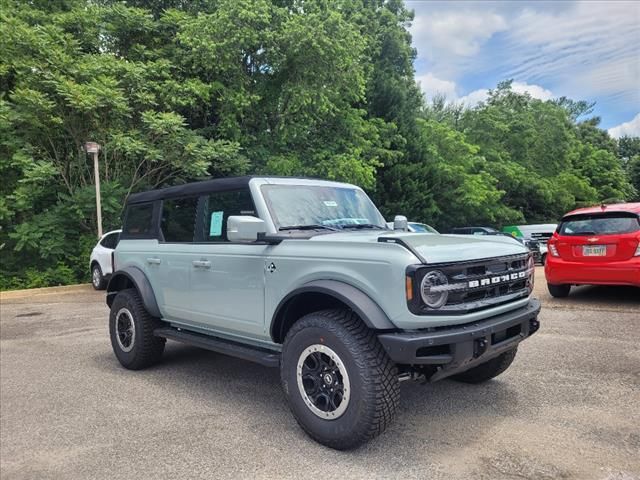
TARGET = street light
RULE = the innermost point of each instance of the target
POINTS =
(93, 148)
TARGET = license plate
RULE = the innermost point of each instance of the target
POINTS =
(594, 250)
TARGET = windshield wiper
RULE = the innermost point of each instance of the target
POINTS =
(362, 225)
(308, 227)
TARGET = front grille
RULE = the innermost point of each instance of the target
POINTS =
(478, 285)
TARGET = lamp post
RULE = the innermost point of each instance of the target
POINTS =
(93, 148)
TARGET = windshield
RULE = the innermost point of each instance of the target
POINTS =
(599, 224)
(321, 207)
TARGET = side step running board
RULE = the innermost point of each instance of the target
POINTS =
(268, 358)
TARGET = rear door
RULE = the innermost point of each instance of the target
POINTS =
(599, 237)
(170, 262)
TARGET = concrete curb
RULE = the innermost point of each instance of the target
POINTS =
(9, 294)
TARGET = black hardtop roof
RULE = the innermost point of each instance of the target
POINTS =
(193, 188)
(197, 188)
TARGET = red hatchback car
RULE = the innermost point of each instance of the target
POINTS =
(595, 246)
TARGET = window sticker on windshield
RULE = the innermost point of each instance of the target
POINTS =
(215, 228)
(330, 203)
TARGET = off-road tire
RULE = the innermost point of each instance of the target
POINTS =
(373, 377)
(559, 291)
(147, 349)
(101, 284)
(488, 370)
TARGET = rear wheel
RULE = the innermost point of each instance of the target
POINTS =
(131, 330)
(97, 279)
(340, 384)
(488, 370)
(559, 291)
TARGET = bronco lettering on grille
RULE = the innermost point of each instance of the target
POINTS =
(493, 280)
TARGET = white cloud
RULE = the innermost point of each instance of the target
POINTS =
(474, 97)
(444, 36)
(631, 128)
(431, 85)
(536, 91)
(582, 49)
(589, 49)
(457, 32)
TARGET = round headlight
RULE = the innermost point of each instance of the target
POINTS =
(432, 291)
(531, 272)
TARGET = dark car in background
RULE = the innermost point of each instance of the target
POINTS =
(533, 245)
(482, 231)
(475, 231)
(416, 227)
(535, 236)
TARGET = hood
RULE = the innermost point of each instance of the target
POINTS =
(434, 248)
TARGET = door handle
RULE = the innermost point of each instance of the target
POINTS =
(153, 261)
(201, 264)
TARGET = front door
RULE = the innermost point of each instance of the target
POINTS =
(227, 288)
(227, 279)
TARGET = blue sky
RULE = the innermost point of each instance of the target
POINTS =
(585, 50)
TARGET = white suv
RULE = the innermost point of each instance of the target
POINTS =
(100, 260)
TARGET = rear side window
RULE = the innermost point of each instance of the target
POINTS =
(600, 224)
(218, 207)
(138, 221)
(178, 219)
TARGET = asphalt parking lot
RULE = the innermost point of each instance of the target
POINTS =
(568, 408)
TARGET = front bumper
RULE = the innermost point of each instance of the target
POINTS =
(457, 348)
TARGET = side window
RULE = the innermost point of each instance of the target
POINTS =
(218, 207)
(110, 241)
(178, 219)
(138, 220)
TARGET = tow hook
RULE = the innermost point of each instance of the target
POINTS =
(534, 325)
(479, 347)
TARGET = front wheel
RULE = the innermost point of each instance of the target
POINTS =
(339, 382)
(559, 291)
(488, 370)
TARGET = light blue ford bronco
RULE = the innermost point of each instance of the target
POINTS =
(305, 275)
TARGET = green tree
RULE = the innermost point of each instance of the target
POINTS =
(633, 168)
(179, 90)
(629, 153)
(598, 161)
(173, 91)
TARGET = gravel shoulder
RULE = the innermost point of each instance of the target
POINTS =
(568, 407)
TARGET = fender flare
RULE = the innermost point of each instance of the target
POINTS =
(358, 301)
(133, 275)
